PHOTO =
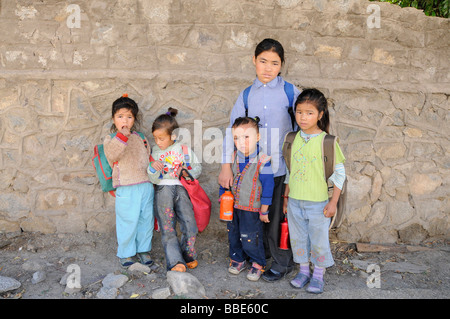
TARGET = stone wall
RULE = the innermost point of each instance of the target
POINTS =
(385, 69)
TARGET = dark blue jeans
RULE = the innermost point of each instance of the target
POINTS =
(245, 236)
(172, 204)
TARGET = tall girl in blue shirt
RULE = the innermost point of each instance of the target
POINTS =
(267, 99)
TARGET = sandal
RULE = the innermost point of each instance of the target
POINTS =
(179, 267)
(192, 264)
(300, 280)
(127, 262)
(315, 286)
(145, 259)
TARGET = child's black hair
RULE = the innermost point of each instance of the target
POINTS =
(316, 98)
(166, 121)
(270, 45)
(247, 120)
(124, 102)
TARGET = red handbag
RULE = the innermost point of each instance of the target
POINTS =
(199, 200)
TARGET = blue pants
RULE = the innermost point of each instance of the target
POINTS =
(308, 231)
(134, 219)
(245, 236)
(172, 204)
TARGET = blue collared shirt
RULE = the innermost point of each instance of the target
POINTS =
(270, 103)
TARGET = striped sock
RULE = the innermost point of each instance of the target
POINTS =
(304, 269)
(318, 273)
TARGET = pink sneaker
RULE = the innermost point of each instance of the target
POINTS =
(255, 272)
(236, 267)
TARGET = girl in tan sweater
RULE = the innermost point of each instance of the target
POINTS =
(128, 154)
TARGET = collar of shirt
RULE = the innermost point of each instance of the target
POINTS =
(307, 137)
(272, 84)
(242, 158)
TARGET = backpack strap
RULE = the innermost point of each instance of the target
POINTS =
(245, 96)
(328, 145)
(289, 90)
(143, 138)
(186, 156)
(287, 148)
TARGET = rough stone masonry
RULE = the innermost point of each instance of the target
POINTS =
(385, 69)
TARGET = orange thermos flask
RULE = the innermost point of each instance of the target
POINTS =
(226, 206)
(284, 236)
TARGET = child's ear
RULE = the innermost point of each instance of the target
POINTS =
(173, 137)
(254, 60)
(258, 136)
(320, 115)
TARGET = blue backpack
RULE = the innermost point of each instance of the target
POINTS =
(102, 167)
(288, 89)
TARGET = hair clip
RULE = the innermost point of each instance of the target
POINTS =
(168, 113)
(125, 95)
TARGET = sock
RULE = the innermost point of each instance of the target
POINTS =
(318, 273)
(275, 272)
(304, 269)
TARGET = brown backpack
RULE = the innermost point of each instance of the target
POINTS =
(328, 158)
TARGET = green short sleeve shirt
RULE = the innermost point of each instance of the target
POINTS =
(307, 180)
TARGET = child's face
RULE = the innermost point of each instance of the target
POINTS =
(307, 116)
(268, 66)
(245, 138)
(162, 138)
(123, 118)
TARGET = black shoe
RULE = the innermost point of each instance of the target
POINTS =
(270, 276)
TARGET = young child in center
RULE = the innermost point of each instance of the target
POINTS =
(128, 155)
(252, 188)
(268, 100)
(308, 208)
(172, 202)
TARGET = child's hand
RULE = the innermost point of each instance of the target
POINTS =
(329, 210)
(264, 218)
(226, 176)
(185, 174)
(158, 165)
(125, 131)
(285, 205)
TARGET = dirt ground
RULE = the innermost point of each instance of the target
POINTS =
(424, 273)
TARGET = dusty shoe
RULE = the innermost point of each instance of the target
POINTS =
(315, 286)
(255, 272)
(179, 267)
(192, 264)
(127, 262)
(300, 281)
(235, 267)
(145, 259)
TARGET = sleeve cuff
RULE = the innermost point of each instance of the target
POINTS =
(266, 201)
(122, 137)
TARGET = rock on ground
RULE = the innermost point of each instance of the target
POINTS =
(185, 284)
(114, 281)
(7, 284)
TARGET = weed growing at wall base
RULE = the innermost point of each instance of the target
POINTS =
(434, 8)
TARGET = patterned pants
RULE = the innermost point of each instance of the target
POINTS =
(172, 204)
(308, 231)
